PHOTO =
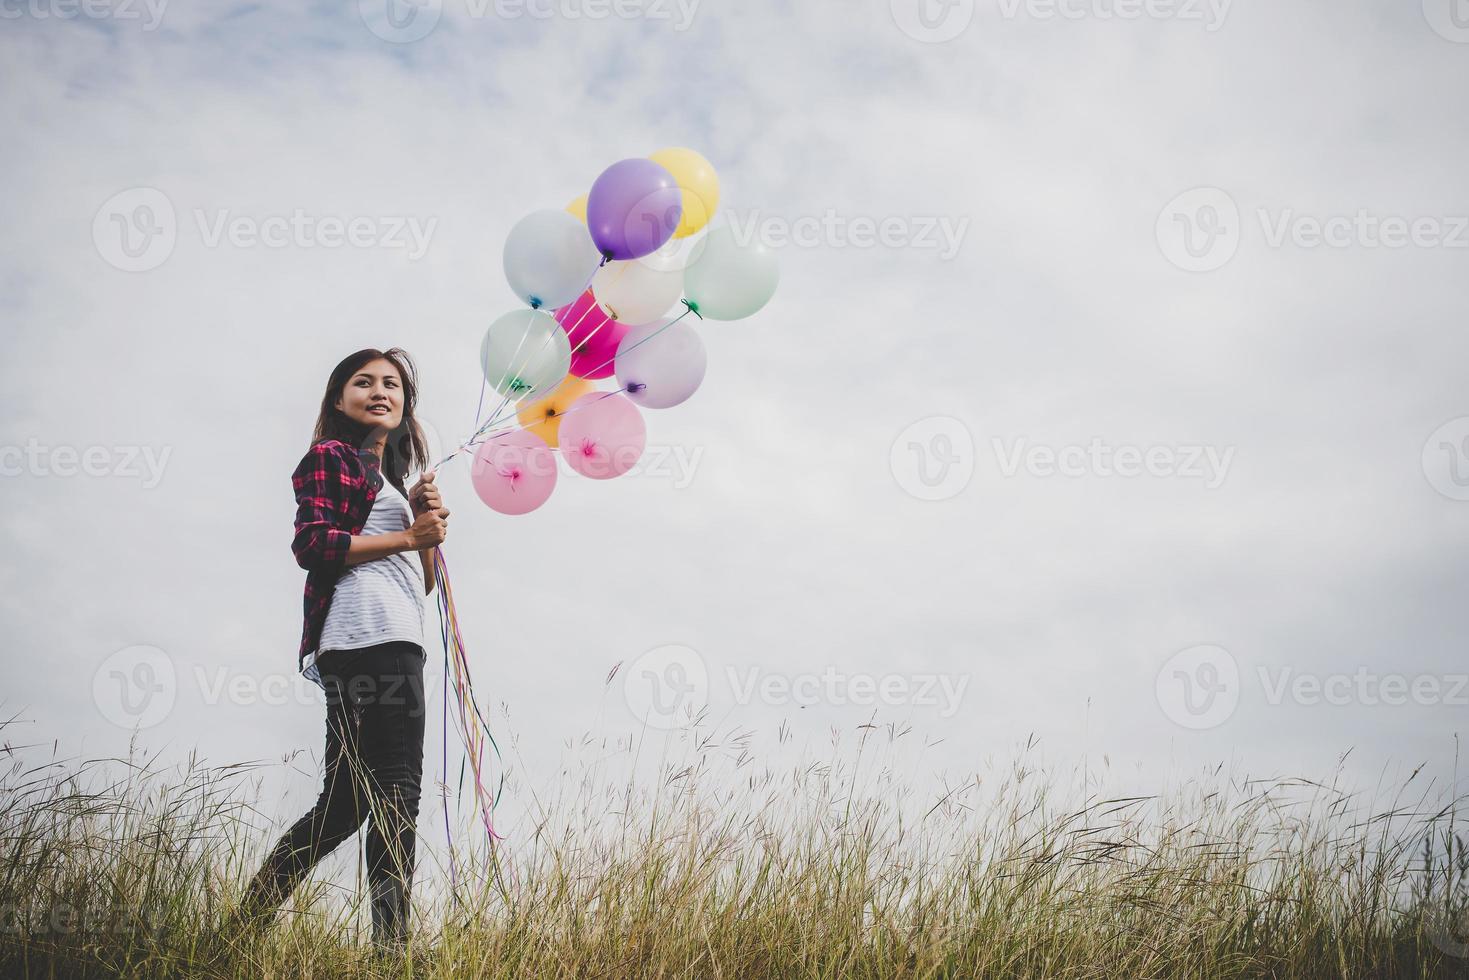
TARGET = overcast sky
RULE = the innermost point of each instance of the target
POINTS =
(1114, 393)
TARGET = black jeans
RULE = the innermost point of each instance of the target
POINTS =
(374, 769)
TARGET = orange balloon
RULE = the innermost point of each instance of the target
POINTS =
(543, 417)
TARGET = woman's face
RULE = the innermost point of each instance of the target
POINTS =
(374, 395)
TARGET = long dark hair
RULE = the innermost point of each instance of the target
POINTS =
(406, 448)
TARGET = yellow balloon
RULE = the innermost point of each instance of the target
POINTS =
(579, 208)
(698, 181)
(543, 417)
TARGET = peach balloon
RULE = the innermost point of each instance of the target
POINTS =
(544, 417)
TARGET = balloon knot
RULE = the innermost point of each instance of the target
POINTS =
(635, 387)
(535, 304)
(693, 308)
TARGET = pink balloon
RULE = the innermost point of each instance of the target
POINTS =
(602, 434)
(593, 334)
(514, 472)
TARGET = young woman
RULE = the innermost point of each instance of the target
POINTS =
(367, 545)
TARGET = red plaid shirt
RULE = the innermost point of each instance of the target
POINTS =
(335, 487)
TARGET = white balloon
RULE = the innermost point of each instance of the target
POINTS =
(525, 353)
(728, 280)
(548, 257)
(632, 292)
(659, 365)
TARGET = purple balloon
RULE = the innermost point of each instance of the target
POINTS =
(633, 209)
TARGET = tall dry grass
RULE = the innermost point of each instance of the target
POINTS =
(718, 867)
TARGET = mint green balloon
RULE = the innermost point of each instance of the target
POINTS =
(525, 354)
(730, 280)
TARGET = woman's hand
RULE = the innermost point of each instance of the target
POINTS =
(423, 496)
(429, 529)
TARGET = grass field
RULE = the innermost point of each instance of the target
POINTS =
(113, 868)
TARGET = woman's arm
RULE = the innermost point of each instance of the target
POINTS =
(423, 536)
(370, 547)
(427, 557)
(321, 481)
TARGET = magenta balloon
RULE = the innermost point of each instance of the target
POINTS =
(602, 435)
(593, 334)
(514, 472)
(633, 209)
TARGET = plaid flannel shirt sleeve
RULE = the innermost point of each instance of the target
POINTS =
(322, 483)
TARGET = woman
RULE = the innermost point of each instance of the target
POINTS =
(367, 546)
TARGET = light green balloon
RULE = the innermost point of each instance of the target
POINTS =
(525, 354)
(730, 280)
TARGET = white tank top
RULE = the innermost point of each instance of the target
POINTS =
(380, 600)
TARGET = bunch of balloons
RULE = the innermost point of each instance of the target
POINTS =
(601, 279)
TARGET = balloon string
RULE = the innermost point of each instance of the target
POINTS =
(500, 384)
(474, 730)
(484, 431)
